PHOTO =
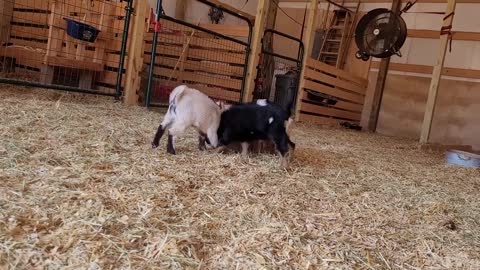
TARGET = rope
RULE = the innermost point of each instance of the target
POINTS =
(28, 48)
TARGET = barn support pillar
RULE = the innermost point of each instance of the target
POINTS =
(135, 55)
(380, 84)
(308, 36)
(266, 67)
(437, 74)
(255, 48)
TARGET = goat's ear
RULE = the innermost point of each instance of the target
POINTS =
(220, 104)
(224, 106)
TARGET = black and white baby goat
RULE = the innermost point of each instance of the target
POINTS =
(258, 120)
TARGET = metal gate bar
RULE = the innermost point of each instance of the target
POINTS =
(298, 61)
(160, 15)
(300, 44)
(22, 82)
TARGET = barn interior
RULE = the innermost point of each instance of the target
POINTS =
(385, 174)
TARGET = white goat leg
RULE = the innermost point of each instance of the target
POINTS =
(244, 149)
(212, 136)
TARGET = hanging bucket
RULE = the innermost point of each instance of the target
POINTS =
(81, 31)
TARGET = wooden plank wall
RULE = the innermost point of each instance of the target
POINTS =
(29, 28)
(349, 91)
(200, 60)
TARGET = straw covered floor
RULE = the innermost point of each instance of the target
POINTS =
(81, 188)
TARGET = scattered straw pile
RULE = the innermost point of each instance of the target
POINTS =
(80, 187)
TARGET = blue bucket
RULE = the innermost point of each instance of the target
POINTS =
(462, 158)
(81, 31)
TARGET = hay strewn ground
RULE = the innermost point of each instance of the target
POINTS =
(80, 187)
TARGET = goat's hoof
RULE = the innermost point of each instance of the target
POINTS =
(284, 164)
(290, 155)
(171, 151)
(154, 145)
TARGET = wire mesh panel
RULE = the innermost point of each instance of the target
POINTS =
(75, 45)
(209, 57)
(279, 68)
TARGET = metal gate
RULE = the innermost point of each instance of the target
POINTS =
(70, 45)
(277, 67)
(212, 58)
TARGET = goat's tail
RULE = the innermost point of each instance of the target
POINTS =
(175, 96)
(170, 116)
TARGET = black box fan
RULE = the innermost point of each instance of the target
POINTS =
(380, 33)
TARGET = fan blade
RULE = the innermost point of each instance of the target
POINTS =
(372, 48)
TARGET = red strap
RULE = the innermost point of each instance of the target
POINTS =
(447, 30)
(448, 16)
(408, 6)
(157, 26)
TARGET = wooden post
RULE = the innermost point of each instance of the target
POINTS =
(135, 54)
(436, 76)
(6, 10)
(105, 23)
(308, 37)
(378, 94)
(180, 9)
(380, 86)
(54, 43)
(268, 61)
(255, 49)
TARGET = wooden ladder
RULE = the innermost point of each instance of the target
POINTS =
(337, 38)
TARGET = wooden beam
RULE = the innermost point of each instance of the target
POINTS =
(105, 23)
(135, 54)
(268, 61)
(380, 85)
(6, 9)
(228, 30)
(437, 74)
(233, 9)
(58, 61)
(443, 148)
(308, 36)
(433, 34)
(255, 49)
(389, 1)
(54, 44)
(423, 69)
(180, 9)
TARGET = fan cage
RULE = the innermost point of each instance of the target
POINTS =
(380, 24)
